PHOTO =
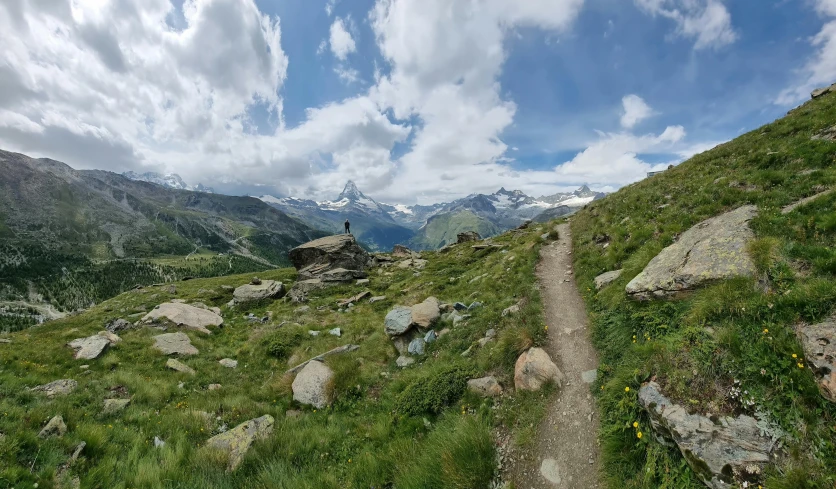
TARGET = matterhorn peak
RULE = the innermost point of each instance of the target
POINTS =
(351, 192)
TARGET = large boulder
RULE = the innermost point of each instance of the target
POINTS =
(342, 275)
(426, 313)
(714, 249)
(314, 385)
(720, 450)
(91, 347)
(265, 289)
(186, 316)
(606, 278)
(174, 344)
(534, 369)
(56, 388)
(314, 258)
(819, 92)
(398, 321)
(300, 290)
(401, 251)
(819, 342)
(468, 236)
(235, 442)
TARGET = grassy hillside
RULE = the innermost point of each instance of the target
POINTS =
(410, 429)
(740, 330)
(442, 229)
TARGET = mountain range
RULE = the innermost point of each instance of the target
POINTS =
(170, 180)
(380, 226)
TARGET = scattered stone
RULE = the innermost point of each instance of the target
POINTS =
(319, 256)
(416, 346)
(404, 361)
(425, 314)
(430, 337)
(91, 347)
(55, 427)
(229, 363)
(84, 367)
(303, 309)
(398, 321)
(5, 341)
(714, 249)
(415, 263)
(401, 251)
(805, 201)
(237, 441)
(300, 290)
(491, 333)
(174, 344)
(467, 237)
(485, 386)
(214, 387)
(77, 452)
(535, 368)
(377, 298)
(459, 306)
(474, 305)
(363, 281)
(115, 405)
(819, 92)
(255, 281)
(319, 358)
(335, 332)
(819, 343)
(293, 413)
(56, 388)
(550, 471)
(511, 310)
(827, 134)
(171, 289)
(118, 325)
(352, 300)
(314, 385)
(720, 450)
(589, 376)
(316, 333)
(179, 366)
(227, 287)
(607, 278)
(186, 316)
(342, 275)
(252, 292)
(158, 442)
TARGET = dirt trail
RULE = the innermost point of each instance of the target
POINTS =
(565, 454)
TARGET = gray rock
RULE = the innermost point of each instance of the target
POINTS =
(158, 442)
(302, 310)
(236, 442)
(534, 369)
(474, 305)
(112, 406)
(713, 250)
(342, 275)
(819, 343)
(363, 281)
(425, 314)
(827, 134)
(118, 325)
(57, 388)
(179, 366)
(607, 278)
(55, 427)
(719, 450)
(416, 263)
(485, 387)
(511, 310)
(214, 387)
(401, 251)
(459, 306)
(430, 337)
(805, 201)
(416, 346)
(819, 92)
(398, 321)
(467, 237)
(404, 361)
(589, 376)
(457, 318)
(319, 256)
(264, 290)
(228, 363)
(89, 348)
(174, 344)
(377, 298)
(491, 333)
(186, 316)
(300, 290)
(314, 385)
(5, 341)
(335, 332)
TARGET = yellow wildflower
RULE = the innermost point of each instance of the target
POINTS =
(800, 365)
(626, 389)
(639, 435)
(794, 355)
(635, 424)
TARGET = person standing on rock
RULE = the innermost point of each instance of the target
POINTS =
(347, 227)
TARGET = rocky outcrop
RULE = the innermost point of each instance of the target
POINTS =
(112, 406)
(720, 450)
(714, 249)
(342, 275)
(229, 363)
(314, 385)
(179, 366)
(401, 251)
(118, 325)
(467, 237)
(826, 134)
(300, 290)
(91, 347)
(805, 201)
(56, 388)
(263, 290)
(314, 258)
(186, 316)
(55, 427)
(820, 92)
(407, 326)
(534, 369)
(606, 278)
(425, 314)
(236, 442)
(174, 344)
(398, 321)
(819, 342)
(485, 387)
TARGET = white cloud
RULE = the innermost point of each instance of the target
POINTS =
(329, 6)
(635, 111)
(708, 22)
(342, 44)
(820, 69)
(347, 75)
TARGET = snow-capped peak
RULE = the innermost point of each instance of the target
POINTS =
(351, 192)
(170, 180)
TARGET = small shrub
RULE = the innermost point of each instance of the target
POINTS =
(435, 391)
(283, 341)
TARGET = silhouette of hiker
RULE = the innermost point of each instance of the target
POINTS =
(347, 227)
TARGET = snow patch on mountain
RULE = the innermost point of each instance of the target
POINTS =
(169, 180)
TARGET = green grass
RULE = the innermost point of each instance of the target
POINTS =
(387, 428)
(741, 329)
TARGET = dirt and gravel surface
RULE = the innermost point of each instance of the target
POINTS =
(565, 454)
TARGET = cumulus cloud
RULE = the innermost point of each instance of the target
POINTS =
(708, 22)
(635, 111)
(820, 69)
(342, 44)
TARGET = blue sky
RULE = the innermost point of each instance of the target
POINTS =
(415, 100)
